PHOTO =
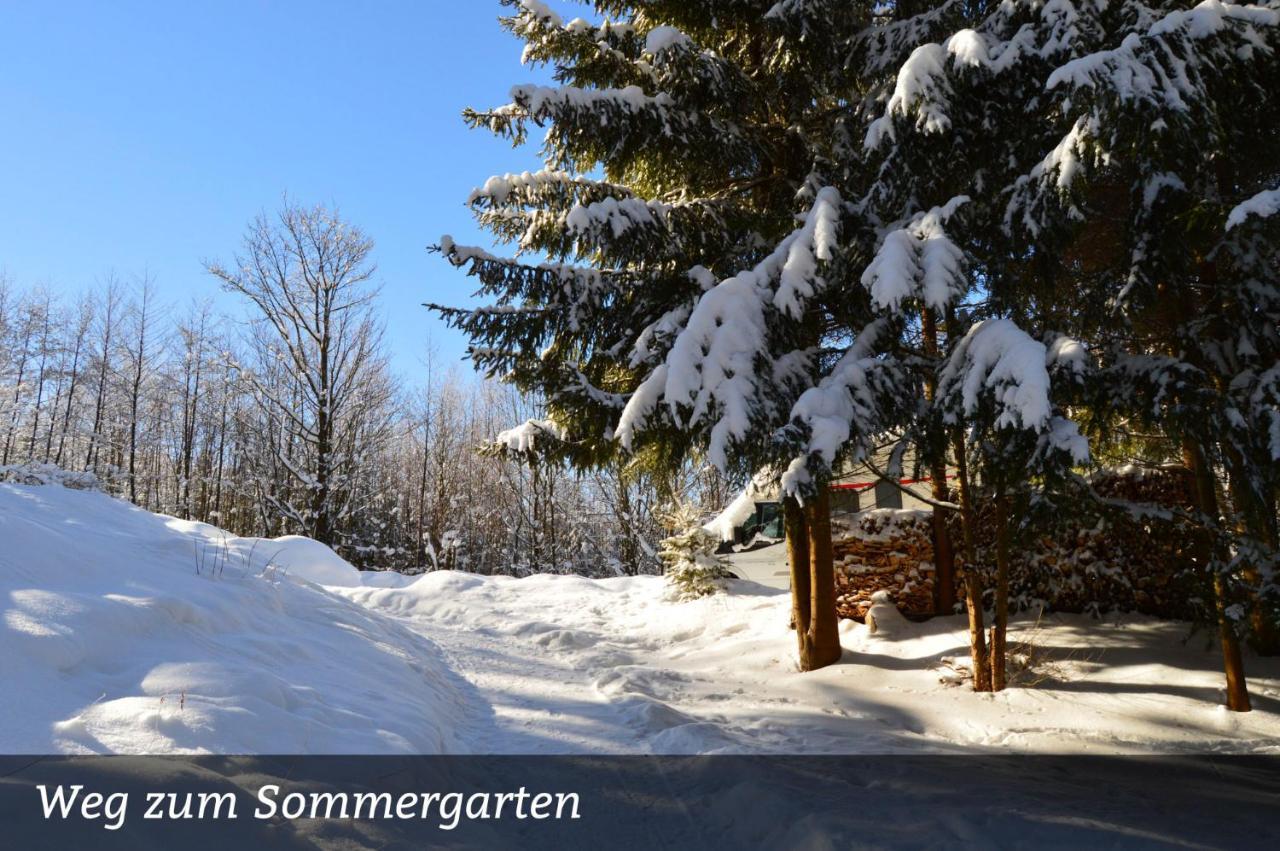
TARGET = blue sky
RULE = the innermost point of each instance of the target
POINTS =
(144, 136)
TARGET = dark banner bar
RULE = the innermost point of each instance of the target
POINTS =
(608, 802)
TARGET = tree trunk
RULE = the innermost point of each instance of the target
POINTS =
(40, 381)
(190, 413)
(99, 404)
(222, 449)
(1258, 521)
(798, 556)
(1000, 628)
(972, 581)
(822, 640)
(944, 564)
(71, 395)
(1207, 503)
(420, 548)
(14, 416)
(135, 391)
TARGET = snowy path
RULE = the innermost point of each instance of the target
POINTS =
(540, 681)
(574, 665)
(561, 672)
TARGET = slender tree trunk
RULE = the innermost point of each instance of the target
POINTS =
(1258, 520)
(190, 413)
(1207, 503)
(999, 629)
(40, 380)
(135, 390)
(944, 563)
(47, 455)
(222, 449)
(629, 554)
(14, 416)
(133, 434)
(972, 581)
(61, 372)
(71, 395)
(320, 504)
(422, 493)
(104, 365)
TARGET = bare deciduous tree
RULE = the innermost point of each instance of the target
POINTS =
(309, 276)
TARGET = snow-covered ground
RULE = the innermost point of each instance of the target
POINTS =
(112, 641)
(571, 664)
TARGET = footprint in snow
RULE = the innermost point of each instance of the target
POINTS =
(566, 639)
(605, 659)
(633, 679)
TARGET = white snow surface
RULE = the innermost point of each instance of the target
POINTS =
(664, 38)
(310, 560)
(111, 642)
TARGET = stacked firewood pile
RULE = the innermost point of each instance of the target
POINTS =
(1169, 486)
(1110, 561)
(1121, 562)
(884, 550)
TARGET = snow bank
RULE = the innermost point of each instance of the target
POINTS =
(111, 641)
(36, 473)
(311, 560)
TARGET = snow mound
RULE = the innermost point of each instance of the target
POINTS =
(313, 561)
(126, 631)
(883, 618)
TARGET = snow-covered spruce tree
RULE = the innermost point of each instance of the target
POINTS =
(958, 118)
(1110, 153)
(689, 555)
(1156, 210)
(687, 264)
(1001, 383)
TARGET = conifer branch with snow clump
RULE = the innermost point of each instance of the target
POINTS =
(998, 358)
(522, 439)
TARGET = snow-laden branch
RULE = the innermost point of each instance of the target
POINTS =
(918, 260)
(923, 87)
(816, 240)
(711, 369)
(1262, 205)
(998, 360)
(844, 405)
(1133, 72)
(523, 439)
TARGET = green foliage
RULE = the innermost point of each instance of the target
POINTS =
(692, 567)
(750, 207)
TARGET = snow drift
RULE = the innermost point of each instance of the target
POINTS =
(126, 631)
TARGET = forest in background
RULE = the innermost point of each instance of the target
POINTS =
(203, 416)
